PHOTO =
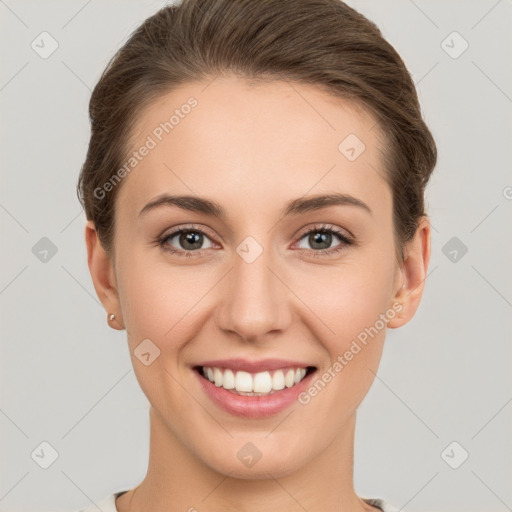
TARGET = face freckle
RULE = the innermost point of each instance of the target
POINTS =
(253, 150)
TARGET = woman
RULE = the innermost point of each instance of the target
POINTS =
(254, 193)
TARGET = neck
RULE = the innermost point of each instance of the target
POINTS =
(178, 480)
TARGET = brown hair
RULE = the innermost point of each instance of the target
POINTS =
(320, 42)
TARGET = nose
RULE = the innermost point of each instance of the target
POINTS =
(255, 301)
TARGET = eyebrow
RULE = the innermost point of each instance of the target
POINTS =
(294, 207)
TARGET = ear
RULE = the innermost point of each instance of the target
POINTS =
(103, 275)
(412, 274)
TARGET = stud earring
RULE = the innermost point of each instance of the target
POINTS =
(111, 317)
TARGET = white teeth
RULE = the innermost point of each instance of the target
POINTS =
(229, 380)
(278, 380)
(262, 383)
(243, 381)
(299, 374)
(217, 377)
(289, 379)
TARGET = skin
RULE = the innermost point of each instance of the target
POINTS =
(253, 148)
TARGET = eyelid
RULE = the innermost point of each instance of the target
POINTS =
(189, 227)
(343, 232)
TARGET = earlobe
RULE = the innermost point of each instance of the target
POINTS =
(103, 276)
(413, 274)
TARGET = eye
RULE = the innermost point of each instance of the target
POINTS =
(191, 241)
(185, 241)
(321, 238)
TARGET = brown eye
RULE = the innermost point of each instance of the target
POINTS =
(185, 241)
(321, 240)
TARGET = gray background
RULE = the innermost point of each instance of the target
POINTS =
(66, 378)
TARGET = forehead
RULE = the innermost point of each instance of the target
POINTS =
(272, 141)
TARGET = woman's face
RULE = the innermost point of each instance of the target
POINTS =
(252, 284)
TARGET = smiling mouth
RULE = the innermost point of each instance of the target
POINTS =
(254, 384)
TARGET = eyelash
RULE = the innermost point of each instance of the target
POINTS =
(345, 241)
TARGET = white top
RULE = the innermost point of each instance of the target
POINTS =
(108, 504)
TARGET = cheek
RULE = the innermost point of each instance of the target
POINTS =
(167, 305)
(159, 304)
(158, 299)
(348, 298)
(352, 303)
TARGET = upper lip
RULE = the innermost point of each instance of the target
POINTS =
(254, 366)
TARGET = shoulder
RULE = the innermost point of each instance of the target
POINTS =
(381, 504)
(107, 504)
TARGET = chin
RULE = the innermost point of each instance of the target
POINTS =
(258, 459)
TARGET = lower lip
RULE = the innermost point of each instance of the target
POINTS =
(254, 406)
